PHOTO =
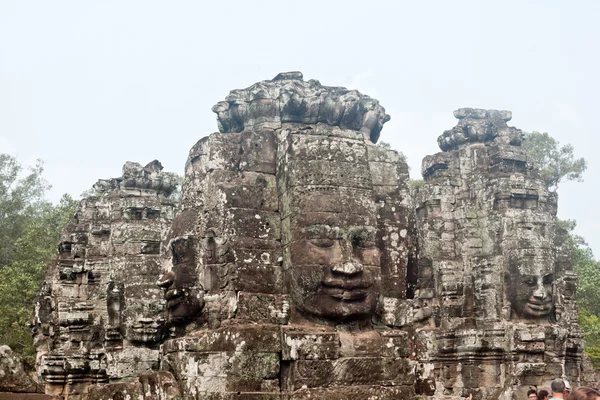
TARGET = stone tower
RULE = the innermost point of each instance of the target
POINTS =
(492, 275)
(291, 238)
(99, 317)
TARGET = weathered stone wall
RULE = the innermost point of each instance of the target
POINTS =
(99, 317)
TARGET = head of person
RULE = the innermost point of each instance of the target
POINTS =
(531, 394)
(542, 395)
(584, 393)
(558, 387)
(567, 387)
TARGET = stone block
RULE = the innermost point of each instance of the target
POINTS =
(240, 371)
(258, 338)
(261, 307)
(257, 152)
(354, 392)
(317, 344)
(244, 276)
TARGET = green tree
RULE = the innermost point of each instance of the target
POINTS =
(416, 183)
(21, 194)
(588, 295)
(29, 231)
(556, 163)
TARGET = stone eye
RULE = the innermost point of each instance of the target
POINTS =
(548, 279)
(530, 282)
(365, 244)
(362, 242)
(323, 243)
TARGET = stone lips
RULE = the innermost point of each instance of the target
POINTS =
(289, 99)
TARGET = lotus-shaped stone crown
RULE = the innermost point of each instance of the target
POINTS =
(287, 98)
(476, 125)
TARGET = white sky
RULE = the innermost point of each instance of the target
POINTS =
(88, 85)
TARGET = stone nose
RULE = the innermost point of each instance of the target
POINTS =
(348, 268)
(540, 291)
(166, 280)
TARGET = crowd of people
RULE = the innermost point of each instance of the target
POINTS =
(561, 389)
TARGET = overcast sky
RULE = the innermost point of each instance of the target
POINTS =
(88, 85)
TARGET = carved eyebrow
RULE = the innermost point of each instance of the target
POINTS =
(321, 231)
(548, 278)
(530, 279)
(362, 233)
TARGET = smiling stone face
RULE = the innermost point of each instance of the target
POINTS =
(299, 207)
(334, 232)
(335, 273)
(531, 288)
(183, 295)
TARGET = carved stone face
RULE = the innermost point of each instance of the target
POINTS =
(335, 272)
(185, 299)
(531, 288)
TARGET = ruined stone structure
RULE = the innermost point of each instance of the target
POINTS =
(292, 232)
(99, 317)
(300, 265)
(492, 275)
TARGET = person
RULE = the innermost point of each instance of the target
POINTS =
(584, 393)
(531, 394)
(558, 389)
(542, 395)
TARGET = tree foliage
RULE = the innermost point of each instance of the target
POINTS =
(588, 295)
(20, 197)
(556, 163)
(29, 232)
(416, 183)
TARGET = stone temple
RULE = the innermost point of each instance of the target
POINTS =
(300, 263)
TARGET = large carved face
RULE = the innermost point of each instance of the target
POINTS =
(185, 297)
(335, 272)
(531, 288)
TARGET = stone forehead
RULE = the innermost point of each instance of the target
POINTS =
(532, 264)
(289, 99)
